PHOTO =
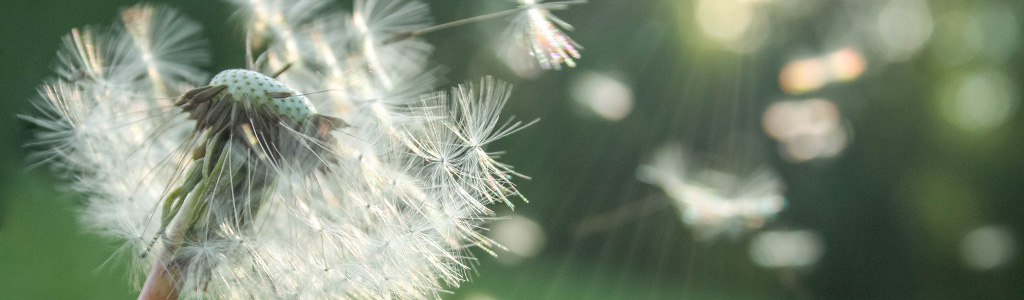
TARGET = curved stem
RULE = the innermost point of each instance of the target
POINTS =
(160, 281)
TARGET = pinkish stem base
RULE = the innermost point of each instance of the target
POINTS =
(160, 283)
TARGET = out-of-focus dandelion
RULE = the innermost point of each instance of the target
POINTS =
(712, 201)
(252, 185)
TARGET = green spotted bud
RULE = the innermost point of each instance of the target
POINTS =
(263, 91)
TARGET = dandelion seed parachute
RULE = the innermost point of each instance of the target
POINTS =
(258, 191)
(534, 30)
(714, 202)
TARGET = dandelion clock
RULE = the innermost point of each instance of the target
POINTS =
(326, 167)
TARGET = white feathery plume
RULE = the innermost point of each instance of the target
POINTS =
(99, 113)
(281, 27)
(281, 20)
(246, 188)
(368, 78)
(173, 53)
(535, 30)
(376, 20)
(714, 202)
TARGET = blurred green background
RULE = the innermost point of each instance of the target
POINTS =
(922, 199)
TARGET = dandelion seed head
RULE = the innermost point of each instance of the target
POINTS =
(375, 189)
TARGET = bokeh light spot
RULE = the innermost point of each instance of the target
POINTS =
(998, 27)
(810, 74)
(603, 94)
(738, 25)
(806, 129)
(987, 248)
(903, 27)
(724, 20)
(522, 237)
(786, 249)
(981, 101)
(846, 64)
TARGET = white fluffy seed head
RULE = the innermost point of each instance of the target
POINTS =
(388, 212)
(263, 91)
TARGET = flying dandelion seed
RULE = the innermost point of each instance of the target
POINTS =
(535, 30)
(244, 186)
(714, 202)
(532, 29)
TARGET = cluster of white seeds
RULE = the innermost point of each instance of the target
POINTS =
(396, 198)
